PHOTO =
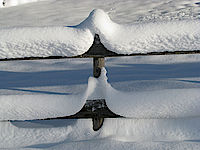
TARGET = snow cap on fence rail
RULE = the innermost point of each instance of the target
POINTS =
(121, 39)
(146, 37)
(40, 106)
(154, 104)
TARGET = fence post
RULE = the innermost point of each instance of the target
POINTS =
(98, 64)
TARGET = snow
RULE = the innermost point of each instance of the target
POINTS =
(64, 12)
(165, 103)
(143, 38)
(78, 134)
(171, 103)
(27, 107)
(8, 3)
(46, 105)
(122, 39)
(43, 42)
(154, 37)
(69, 77)
(66, 79)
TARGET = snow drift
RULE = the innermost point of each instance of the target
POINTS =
(122, 39)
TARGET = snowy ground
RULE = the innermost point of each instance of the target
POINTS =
(30, 80)
(69, 77)
(62, 12)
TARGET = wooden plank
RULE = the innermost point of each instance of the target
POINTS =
(116, 55)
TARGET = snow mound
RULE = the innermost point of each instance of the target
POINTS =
(122, 39)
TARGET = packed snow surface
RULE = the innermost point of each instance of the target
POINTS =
(66, 12)
(122, 39)
(8, 3)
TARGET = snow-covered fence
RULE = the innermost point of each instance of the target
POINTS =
(98, 37)
(97, 109)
